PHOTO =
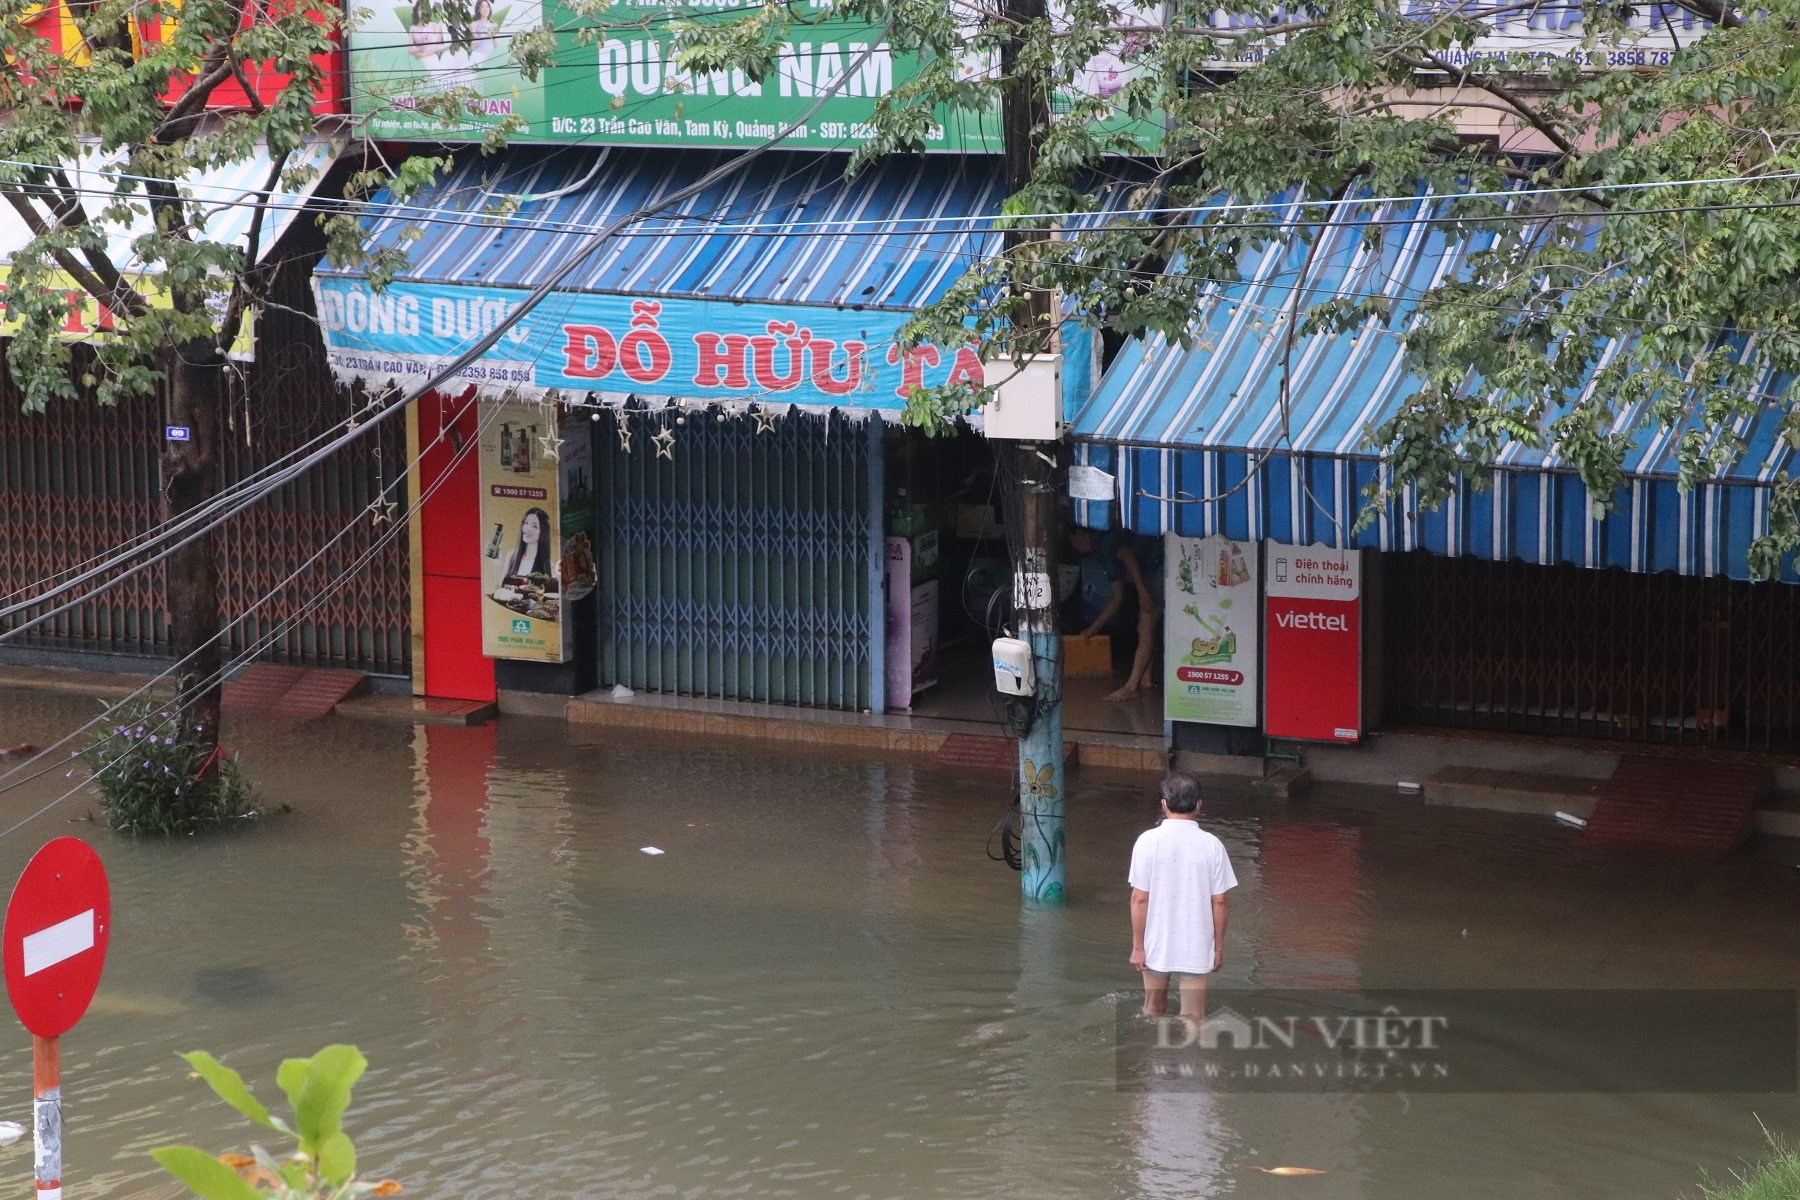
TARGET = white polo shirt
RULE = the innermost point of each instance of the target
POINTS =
(1182, 867)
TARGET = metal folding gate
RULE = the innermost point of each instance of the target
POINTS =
(736, 562)
(78, 479)
(1607, 654)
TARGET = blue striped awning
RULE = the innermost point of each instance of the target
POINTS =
(787, 245)
(1183, 427)
(1540, 516)
(879, 257)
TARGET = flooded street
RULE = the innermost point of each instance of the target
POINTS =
(824, 988)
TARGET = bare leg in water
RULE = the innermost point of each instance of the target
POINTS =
(1193, 998)
(1149, 622)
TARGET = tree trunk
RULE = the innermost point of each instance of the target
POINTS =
(190, 479)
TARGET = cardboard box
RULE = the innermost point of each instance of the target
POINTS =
(1087, 659)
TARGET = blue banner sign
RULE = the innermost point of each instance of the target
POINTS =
(815, 356)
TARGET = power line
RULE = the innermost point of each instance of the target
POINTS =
(270, 594)
(219, 501)
(281, 475)
(449, 372)
(250, 652)
(433, 214)
(169, 528)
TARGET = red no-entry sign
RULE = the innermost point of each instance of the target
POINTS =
(54, 943)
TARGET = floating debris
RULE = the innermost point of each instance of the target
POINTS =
(1290, 1171)
(649, 850)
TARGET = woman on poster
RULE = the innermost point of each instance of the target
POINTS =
(532, 555)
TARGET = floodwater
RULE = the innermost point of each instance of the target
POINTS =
(824, 988)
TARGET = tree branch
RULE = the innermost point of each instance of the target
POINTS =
(243, 81)
(119, 298)
(217, 68)
(240, 288)
(72, 214)
(1518, 104)
(1716, 11)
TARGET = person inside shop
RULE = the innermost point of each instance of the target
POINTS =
(1111, 562)
(532, 555)
(1142, 559)
(1100, 583)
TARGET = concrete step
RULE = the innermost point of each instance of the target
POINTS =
(109, 685)
(977, 752)
(904, 733)
(1513, 791)
(1692, 806)
(1779, 816)
(1290, 781)
(418, 710)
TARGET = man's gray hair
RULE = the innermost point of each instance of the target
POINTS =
(1180, 792)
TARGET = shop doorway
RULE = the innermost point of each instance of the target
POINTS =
(949, 594)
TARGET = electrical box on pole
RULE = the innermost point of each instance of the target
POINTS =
(1027, 403)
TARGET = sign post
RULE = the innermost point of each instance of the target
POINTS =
(1312, 639)
(53, 948)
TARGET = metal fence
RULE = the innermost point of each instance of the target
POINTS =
(738, 567)
(78, 479)
(1606, 654)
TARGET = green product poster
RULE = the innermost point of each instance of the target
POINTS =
(1210, 630)
(406, 52)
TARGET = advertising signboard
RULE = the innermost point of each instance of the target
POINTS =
(698, 349)
(1209, 639)
(1312, 634)
(521, 554)
(89, 320)
(1547, 30)
(622, 85)
(55, 23)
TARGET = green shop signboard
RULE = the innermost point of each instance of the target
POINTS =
(623, 88)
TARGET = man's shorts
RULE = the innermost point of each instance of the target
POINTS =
(1178, 977)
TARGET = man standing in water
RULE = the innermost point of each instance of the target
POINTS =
(1179, 880)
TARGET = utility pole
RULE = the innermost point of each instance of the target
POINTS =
(1024, 114)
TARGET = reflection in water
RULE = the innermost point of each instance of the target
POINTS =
(1181, 1146)
(1311, 918)
(825, 988)
(444, 863)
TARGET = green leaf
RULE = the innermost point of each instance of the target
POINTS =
(290, 1077)
(229, 1085)
(203, 1174)
(324, 1094)
(337, 1159)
